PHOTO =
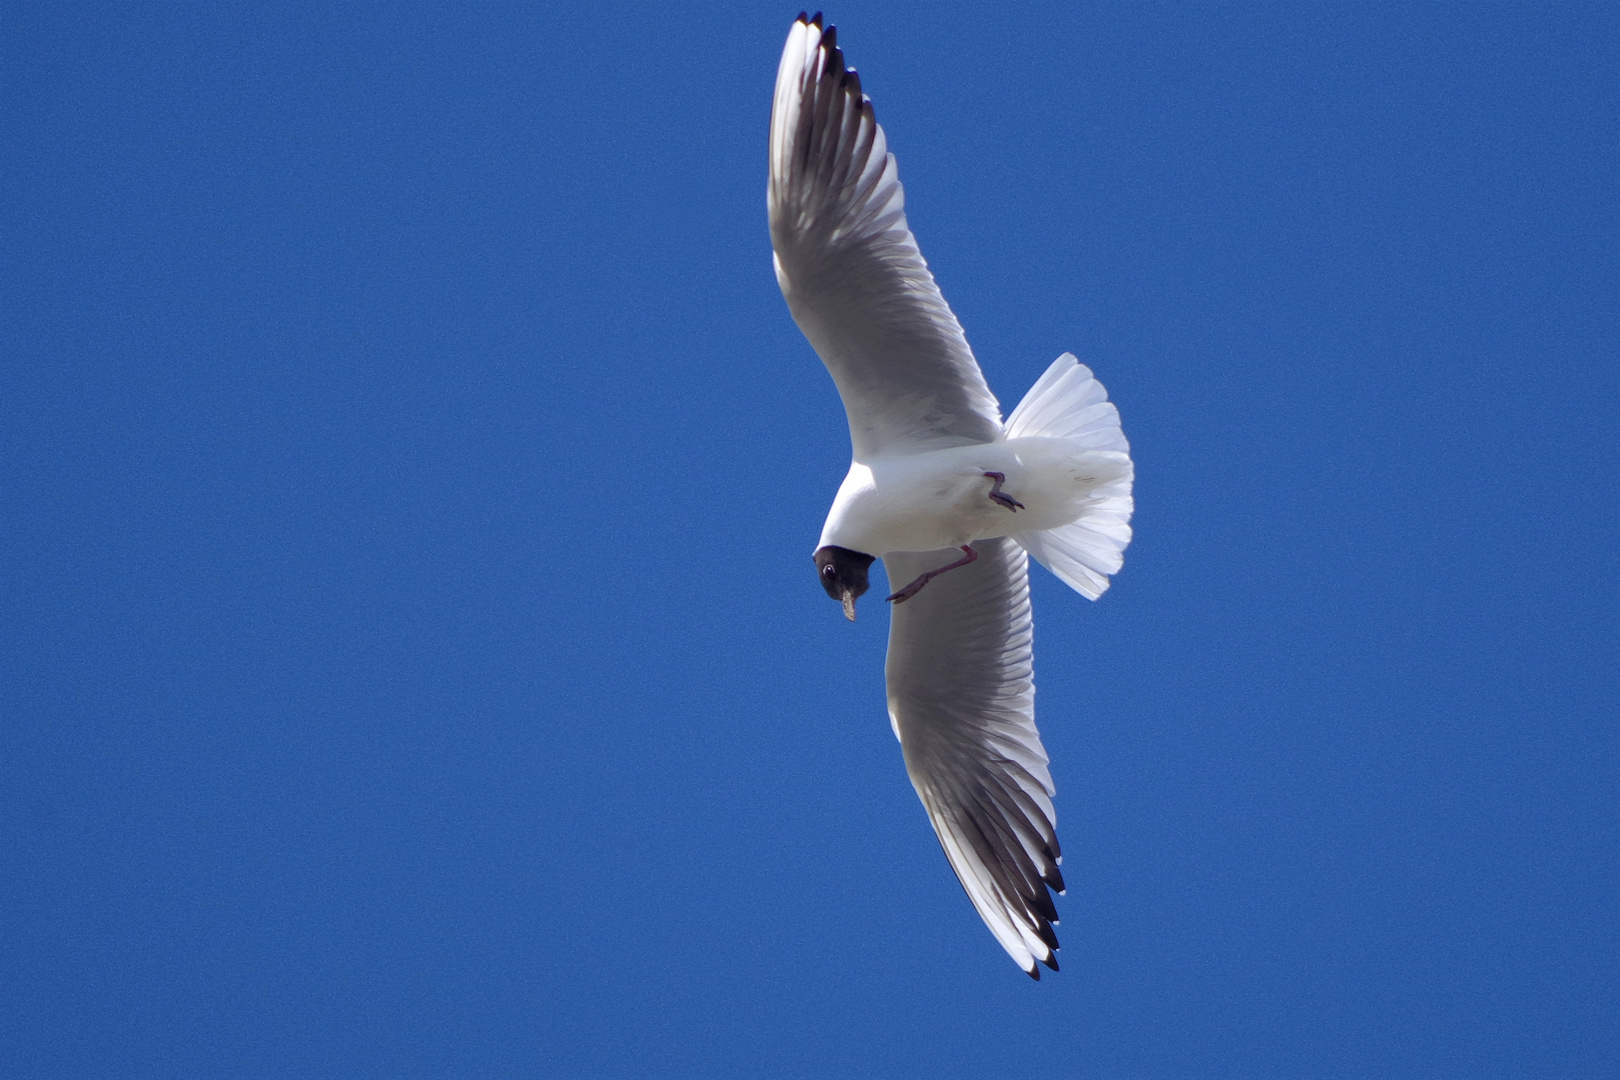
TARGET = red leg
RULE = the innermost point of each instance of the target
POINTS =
(995, 492)
(916, 586)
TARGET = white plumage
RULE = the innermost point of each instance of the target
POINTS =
(935, 472)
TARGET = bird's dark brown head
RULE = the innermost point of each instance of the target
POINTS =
(843, 575)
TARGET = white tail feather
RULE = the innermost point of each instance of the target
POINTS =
(1069, 403)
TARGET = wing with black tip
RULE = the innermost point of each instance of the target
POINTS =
(850, 269)
(962, 701)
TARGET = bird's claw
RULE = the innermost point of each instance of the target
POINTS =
(916, 586)
(996, 495)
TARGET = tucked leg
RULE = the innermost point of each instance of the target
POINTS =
(916, 586)
(995, 492)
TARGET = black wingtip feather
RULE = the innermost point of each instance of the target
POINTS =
(1034, 972)
(848, 79)
(1051, 961)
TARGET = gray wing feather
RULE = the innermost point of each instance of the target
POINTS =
(850, 269)
(962, 700)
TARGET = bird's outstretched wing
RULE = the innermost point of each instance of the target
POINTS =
(850, 269)
(962, 700)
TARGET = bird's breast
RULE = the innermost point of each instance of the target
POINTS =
(920, 502)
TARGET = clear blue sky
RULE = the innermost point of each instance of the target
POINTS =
(411, 661)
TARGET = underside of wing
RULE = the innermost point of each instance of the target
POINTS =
(962, 700)
(850, 269)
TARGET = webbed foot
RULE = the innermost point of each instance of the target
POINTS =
(996, 495)
(916, 586)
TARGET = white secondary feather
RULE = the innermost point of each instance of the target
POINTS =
(927, 439)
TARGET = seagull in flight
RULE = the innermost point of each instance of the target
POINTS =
(952, 498)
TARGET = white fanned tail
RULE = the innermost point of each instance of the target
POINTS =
(1069, 403)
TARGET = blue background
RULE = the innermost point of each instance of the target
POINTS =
(411, 661)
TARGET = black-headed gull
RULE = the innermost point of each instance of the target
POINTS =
(949, 496)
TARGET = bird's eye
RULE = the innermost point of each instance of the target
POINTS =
(829, 571)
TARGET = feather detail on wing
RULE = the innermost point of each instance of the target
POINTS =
(850, 269)
(962, 701)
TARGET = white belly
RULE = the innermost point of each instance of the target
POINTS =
(939, 499)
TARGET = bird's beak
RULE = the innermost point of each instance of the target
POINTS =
(849, 605)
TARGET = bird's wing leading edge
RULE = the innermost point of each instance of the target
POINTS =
(962, 700)
(850, 269)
